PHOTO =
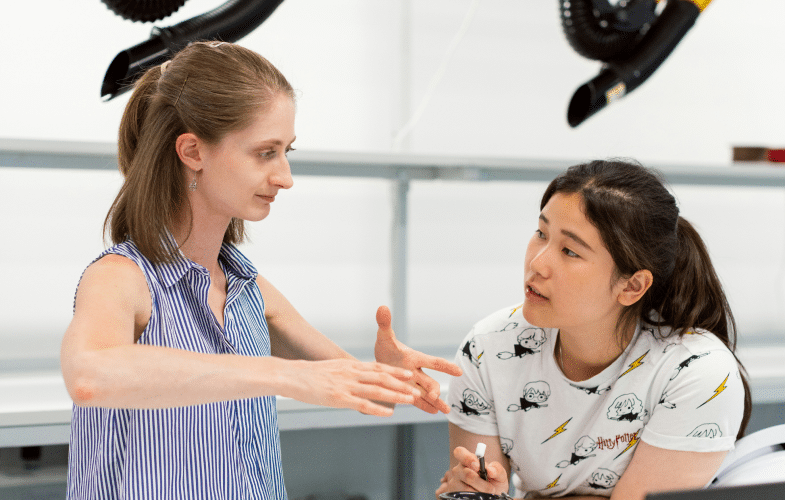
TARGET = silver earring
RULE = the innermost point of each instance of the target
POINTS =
(192, 185)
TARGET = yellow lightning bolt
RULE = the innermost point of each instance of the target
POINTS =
(553, 484)
(632, 443)
(513, 311)
(718, 390)
(478, 357)
(558, 431)
(635, 364)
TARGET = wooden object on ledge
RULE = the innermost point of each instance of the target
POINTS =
(758, 154)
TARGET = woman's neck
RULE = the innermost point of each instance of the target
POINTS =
(201, 243)
(586, 353)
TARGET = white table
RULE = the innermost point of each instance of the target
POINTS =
(35, 408)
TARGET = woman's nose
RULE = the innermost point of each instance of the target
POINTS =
(282, 176)
(541, 262)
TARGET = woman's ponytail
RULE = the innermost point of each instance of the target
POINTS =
(133, 118)
(694, 298)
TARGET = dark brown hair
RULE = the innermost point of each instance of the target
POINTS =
(208, 89)
(640, 225)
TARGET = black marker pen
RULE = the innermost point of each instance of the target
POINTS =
(480, 452)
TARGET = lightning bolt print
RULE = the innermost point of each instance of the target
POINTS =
(632, 443)
(554, 483)
(635, 364)
(558, 431)
(513, 311)
(717, 391)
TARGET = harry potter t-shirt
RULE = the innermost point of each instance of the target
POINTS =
(577, 438)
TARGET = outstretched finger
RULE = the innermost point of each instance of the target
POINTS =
(398, 373)
(438, 364)
(387, 380)
(368, 407)
(376, 392)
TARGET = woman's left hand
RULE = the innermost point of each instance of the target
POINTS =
(390, 351)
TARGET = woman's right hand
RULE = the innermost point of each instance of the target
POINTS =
(347, 383)
(465, 477)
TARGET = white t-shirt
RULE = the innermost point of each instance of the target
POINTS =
(577, 438)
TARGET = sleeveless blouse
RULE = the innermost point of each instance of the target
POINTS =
(223, 450)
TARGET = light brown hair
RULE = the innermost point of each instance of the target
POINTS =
(208, 89)
(640, 225)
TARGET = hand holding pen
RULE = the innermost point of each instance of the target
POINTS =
(472, 473)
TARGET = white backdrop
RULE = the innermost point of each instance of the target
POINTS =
(326, 244)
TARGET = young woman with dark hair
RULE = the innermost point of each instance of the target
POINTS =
(639, 386)
(178, 347)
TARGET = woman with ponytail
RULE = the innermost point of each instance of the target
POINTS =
(178, 347)
(640, 389)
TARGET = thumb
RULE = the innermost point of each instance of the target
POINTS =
(384, 318)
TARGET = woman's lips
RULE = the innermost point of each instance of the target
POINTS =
(534, 294)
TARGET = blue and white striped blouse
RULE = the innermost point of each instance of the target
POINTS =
(225, 450)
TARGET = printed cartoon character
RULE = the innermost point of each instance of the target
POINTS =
(507, 445)
(664, 402)
(528, 342)
(684, 364)
(473, 404)
(534, 395)
(470, 350)
(706, 431)
(583, 447)
(627, 407)
(603, 479)
(593, 390)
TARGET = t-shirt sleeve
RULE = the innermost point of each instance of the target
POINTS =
(702, 404)
(471, 404)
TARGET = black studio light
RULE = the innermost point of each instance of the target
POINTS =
(229, 22)
(629, 37)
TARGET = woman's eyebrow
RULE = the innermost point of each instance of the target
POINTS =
(570, 235)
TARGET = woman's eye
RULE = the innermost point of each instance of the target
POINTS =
(539, 234)
(289, 150)
(267, 154)
(570, 253)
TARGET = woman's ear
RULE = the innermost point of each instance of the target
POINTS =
(188, 150)
(635, 287)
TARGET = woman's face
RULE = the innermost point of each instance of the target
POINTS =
(567, 263)
(243, 173)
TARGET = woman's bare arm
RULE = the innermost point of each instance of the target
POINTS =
(104, 366)
(655, 469)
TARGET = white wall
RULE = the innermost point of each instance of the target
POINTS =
(326, 245)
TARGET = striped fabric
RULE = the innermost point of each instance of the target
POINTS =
(225, 450)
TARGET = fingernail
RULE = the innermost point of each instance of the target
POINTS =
(407, 373)
(416, 392)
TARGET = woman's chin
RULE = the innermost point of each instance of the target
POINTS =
(535, 317)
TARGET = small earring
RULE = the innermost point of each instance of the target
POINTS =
(192, 185)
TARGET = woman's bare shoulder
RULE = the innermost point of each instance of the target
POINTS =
(115, 279)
